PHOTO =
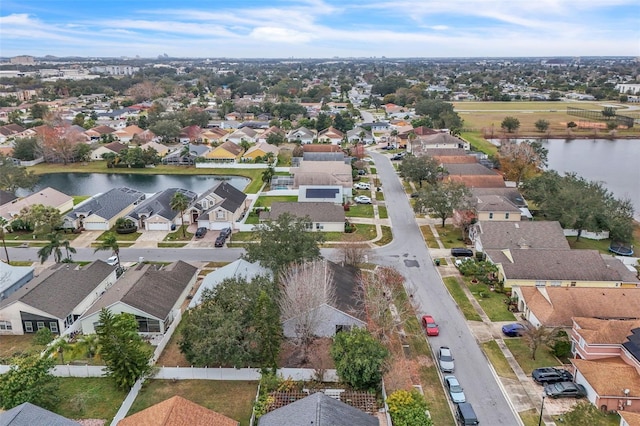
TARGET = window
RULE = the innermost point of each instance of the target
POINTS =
(5, 325)
(220, 214)
(28, 326)
(506, 215)
(40, 325)
(573, 283)
(308, 226)
(540, 283)
(555, 283)
(319, 226)
(53, 326)
(491, 215)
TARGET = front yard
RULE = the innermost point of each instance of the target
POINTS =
(492, 302)
(360, 210)
(522, 354)
(456, 291)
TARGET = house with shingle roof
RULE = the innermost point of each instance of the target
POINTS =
(186, 155)
(155, 213)
(323, 173)
(177, 411)
(127, 134)
(490, 208)
(96, 132)
(360, 135)
(446, 155)
(227, 152)
(260, 149)
(243, 134)
(595, 338)
(213, 135)
(99, 213)
(440, 140)
(12, 278)
(512, 235)
(301, 135)
(110, 148)
(324, 216)
(473, 175)
(152, 293)
(161, 149)
(218, 208)
(629, 419)
(271, 130)
(28, 414)
(48, 197)
(331, 135)
(7, 197)
(56, 298)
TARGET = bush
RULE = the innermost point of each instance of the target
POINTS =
(43, 337)
(359, 358)
(408, 408)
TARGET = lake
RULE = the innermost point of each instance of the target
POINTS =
(94, 183)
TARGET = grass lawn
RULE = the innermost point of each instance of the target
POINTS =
(387, 236)
(497, 359)
(360, 210)
(373, 170)
(233, 399)
(89, 398)
(170, 245)
(382, 212)
(453, 285)
(177, 235)
(379, 195)
(77, 199)
(450, 236)
(492, 302)
(120, 237)
(30, 236)
(530, 417)
(242, 236)
(11, 344)
(603, 419)
(584, 244)
(479, 143)
(522, 354)
(252, 219)
(429, 238)
(265, 201)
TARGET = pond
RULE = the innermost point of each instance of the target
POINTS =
(94, 183)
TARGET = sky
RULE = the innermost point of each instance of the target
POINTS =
(320, 28)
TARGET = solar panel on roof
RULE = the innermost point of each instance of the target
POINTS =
(322, 192)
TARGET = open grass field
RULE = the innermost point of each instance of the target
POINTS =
(88, 398)
(13, 344)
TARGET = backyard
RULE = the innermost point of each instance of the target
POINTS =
(88, 398)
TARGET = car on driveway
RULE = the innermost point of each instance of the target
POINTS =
(565, 390)
(220, 241)
(226, 232)
(514, 329)
(455, 390)
(430, 326)
(445, 359)
(548, 375)
(362, 185)
(201, 232)
(461, 252)
(362, 199)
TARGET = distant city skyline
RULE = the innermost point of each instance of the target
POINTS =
(320, 29)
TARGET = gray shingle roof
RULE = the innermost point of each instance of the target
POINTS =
(468, 169)
(28, 414)
(232, 197)
(494, 203)
(160, 204)
(512, 194)
(531, 234)
(59, 291)
(317, 410)
(317, 211)
(108, 204)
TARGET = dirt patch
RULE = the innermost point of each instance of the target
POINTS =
(318, 355)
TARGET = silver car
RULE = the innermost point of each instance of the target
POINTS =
(445, 359)
(455, 390)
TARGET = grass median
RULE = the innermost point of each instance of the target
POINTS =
(456, 291)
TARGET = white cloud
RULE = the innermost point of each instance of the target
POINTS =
(283, 35)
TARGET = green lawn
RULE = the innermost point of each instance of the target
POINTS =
(497, 359)
(30, 236)
(120, 237)
(234, 399)
(373, 170)
(242, 236)
(429, 238)
(380, 196)
(77, 199)
(170, 245)
(522, 354)
(450, 236)
(492, 302)
(585, 244)
(360, 210)
(177, 235)
(382, 212)
(479, 143)
(387, 236)
(88, 398)
(530, 417)
(265, 201)
(453, 285)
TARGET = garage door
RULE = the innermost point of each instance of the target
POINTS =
(158, 226)
(217, 226)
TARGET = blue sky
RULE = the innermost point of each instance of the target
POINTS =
(320, 28)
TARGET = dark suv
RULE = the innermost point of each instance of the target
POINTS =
(461, 252)
(201, 232)
(226, 232)
(220, 241)
(551, 375)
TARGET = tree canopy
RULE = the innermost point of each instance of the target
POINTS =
(442, 199)
(521, 160)
(13, 177)
(510, 124)
(29, 380)
(359, 358)
(420, 169)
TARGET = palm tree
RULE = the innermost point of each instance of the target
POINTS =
(58, 347)
(89, 345)
(268, 157)
(180, 202)
(68, 249)
(268, 174)
(110, 243)
(52, 247)
(3, 223)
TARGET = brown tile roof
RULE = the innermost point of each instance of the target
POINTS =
(604, 332)
(512, 235)
(632, 419)
(177, 411)
(555, 306)
(610, 378)
(317, 212)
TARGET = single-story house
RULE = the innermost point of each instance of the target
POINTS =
(213, 135)
(359, 135)
(526, 267)
(177, 411)
(325, 217)
(227, 152)
(218, 208)
(323, 173)
(237, 269)
(161, 149)
(495, 208)
(13, 278)
(331, 135)
(100, 212)
(127, 134)
(155, 213)
(301, 135)
(264, 136)
(243, 134)
(186, 155)
(491, 235)
(511, 194)
(473, 175)
(48, 197)
(378, 126)
(96, 132)
(440, 140)
(447, 155)
(323, 194)
(110, 148)
(56, 298)
(190, 134)
(260, 150)
(150, 292)
(27, 414)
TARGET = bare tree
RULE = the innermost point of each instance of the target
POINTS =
(535, 337)
(353, 249)
(305, 288)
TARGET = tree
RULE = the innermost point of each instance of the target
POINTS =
(521, 160)
(88, 345)
(536, 337)
(125, 355)
(3, 230)
(78, 120)
(59, 141)
(52, 247)
(268, 174)
(180, 202)
(408, 408)
(26, 149)
(266, 318)
(510, 124)
(41, 218)
(542, 125)
(39, 111)
(442, 199)
(284, 241)
(359, 358)
(82, 152)
(354, 249)
(168, 130)
(419, 169)
(110, 243)
(13, 177)
(29, 380)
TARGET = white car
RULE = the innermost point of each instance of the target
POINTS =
(362, 185)
(113, 260)
(362, 199)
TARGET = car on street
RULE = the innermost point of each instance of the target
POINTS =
(455, 390)
(430, 326)
(461, 252)
(362, 199)
(201, 232)
(445, 359)
(548, 375)
(220, 241)
(565, 390)
(362, 185)
(514, 329)
(112, 261)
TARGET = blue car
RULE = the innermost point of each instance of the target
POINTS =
(514, 330)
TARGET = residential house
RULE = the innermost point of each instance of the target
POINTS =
(187, 155)
(329, 319)
(595, 338)
(9, 131)
(260, 149)
(7, 197)
(48, 197)
(236, 269)
(155, 213)
(323, 194)
(97, 132)
(527, 267)
(494, 235)
(473, 175)
(126, 135)
(331, 135)
(144, 137)
(301, 135)
(377, 127)
(262, 124)
(190, 134)
(324, 217)
(446, 155)
(218, 208)
(264, 136)
(110, 148)
(152, 293)
(100, 212)
(629, 419)
(246, 134)
(511, 194)
(118, 114)
(177, 411)
(12, 278)
(27, 414)
(359, 135)
(161, 149)
(213, 135)
(495, 208)
(556, 306)
(56, 298)
(227, 152)
(441, 140)
(318, 410)
(325, 173)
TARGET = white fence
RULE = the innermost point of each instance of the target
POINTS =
(167, 336)
(78, 370)
(32, 162)
(205, 165)
(587, 234)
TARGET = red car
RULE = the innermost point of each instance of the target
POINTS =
(430, 325)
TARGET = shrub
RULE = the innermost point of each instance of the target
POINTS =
(359, 358)
(43, 337)
(408, 408)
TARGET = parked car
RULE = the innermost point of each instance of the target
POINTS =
(220, 241)
(112, 261)
(514, 329)
(465, 414)
(226, 232)
(565, 390)
(445, 359)
(201, 232)
(362, 185)
(461, 252)
(430, 326)
(397, 157)
(547, 375)
(415, 195)
(362, 199)
(455, 390)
